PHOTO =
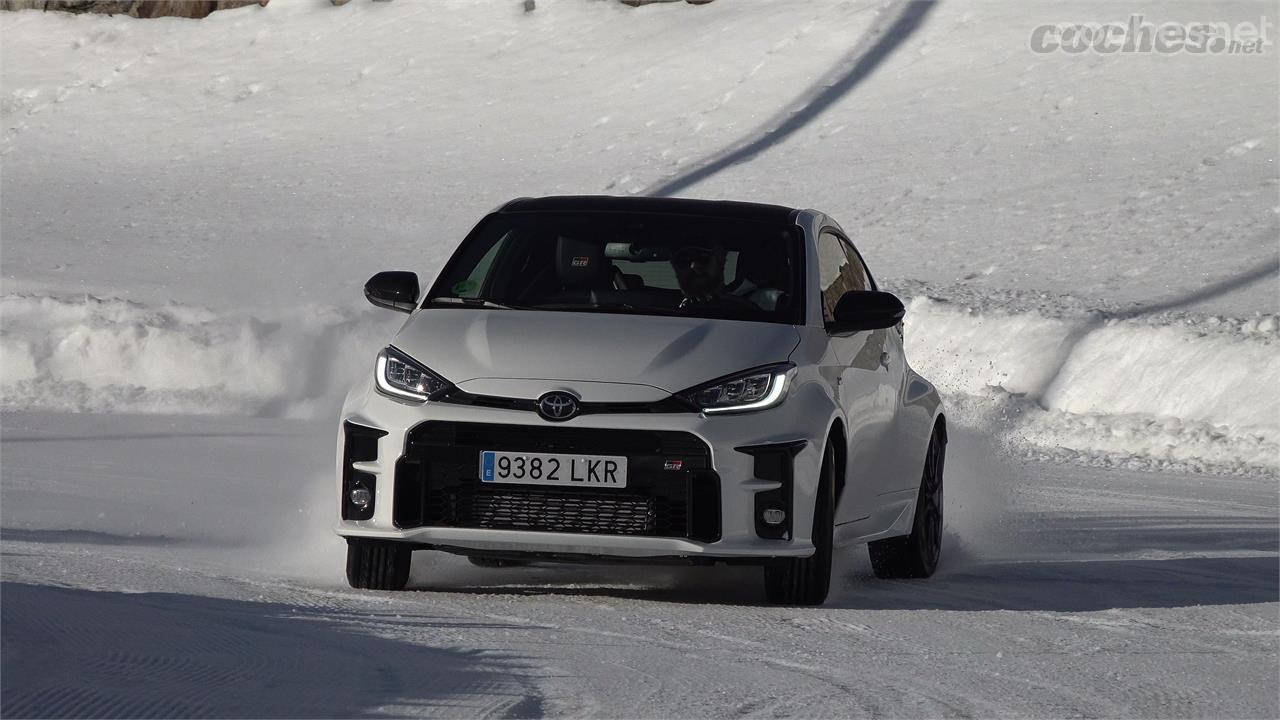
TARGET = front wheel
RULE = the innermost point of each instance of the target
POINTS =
(917, 554)
(806, 581)
(378, 564)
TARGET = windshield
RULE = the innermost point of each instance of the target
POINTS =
(628, 263)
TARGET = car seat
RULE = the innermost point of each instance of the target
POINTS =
(582, 270)
(756, 281)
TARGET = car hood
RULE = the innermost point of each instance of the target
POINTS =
(669, 353)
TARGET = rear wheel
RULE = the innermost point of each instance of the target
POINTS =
(806, 581)
(917, 554)
(377, 564)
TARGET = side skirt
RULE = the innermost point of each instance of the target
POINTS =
(894, 518)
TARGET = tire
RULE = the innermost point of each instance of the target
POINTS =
(378, 565)
(917, 554)
(806, 581)
(489, 562)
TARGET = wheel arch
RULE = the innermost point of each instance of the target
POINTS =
(922, 415)
(838, 439)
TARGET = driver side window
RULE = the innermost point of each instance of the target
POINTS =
(838, 272)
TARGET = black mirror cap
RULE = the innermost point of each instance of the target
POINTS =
(394, 289)
(860, 310)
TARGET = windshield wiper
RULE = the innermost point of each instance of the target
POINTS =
(626, 308)
(476, 302)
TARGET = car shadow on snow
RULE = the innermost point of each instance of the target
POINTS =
(76, 653)
(739, 585)
(1090, 534)
(1074, 586)
(1044, 585)
(1091, 561)
(1074, 562)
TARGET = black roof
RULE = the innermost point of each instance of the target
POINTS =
(663, 206)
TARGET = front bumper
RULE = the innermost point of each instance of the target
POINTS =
(738, 532)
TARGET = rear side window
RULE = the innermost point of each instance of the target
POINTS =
(860, 269)
(840, 270)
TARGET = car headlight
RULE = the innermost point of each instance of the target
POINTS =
(400, 376)
(751, 390)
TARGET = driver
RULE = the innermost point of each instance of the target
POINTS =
(700, 273)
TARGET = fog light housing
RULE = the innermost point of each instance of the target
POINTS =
(361, 497)
(773, 516)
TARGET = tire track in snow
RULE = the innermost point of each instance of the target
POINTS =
(791, 677)
(870, 51)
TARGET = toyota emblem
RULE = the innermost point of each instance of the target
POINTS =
(557, 406)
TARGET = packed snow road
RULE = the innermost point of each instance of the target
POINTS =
(1065, 591)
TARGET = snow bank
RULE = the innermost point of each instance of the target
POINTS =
(106, 355)
(1110, 367)
(1188, 393)
(1191, 391)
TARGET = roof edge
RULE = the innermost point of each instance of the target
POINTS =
(615, 203)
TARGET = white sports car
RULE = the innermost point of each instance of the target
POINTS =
(639, 379)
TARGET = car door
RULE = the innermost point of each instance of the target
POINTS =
(894, 476)
(869, 376)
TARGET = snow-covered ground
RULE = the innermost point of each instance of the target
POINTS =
(160, 565)
(1088, 244)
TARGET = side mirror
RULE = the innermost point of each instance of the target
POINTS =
(394, 289)
(866, 310)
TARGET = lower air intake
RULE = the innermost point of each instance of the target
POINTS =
(557, 512)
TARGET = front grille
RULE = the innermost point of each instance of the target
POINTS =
(438, 485)
(671, 404)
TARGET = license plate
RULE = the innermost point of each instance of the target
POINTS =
(553, 469)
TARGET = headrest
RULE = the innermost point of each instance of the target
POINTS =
(580, 263)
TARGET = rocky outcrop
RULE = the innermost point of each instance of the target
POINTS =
(134, 8)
